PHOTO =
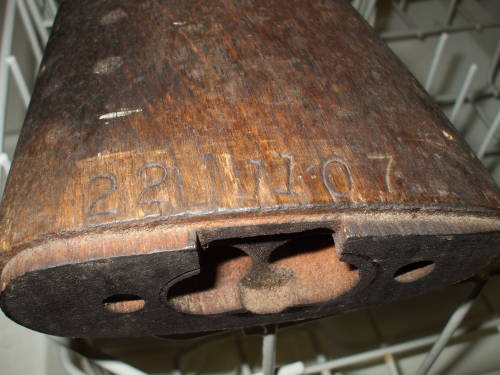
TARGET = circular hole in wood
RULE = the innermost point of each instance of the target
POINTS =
(124, 303)
(414, 271)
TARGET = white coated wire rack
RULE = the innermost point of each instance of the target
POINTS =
(456, 56)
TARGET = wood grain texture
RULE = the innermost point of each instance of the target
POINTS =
(158, 126)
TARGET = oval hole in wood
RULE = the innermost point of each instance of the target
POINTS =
(124, 303)
(414, 271)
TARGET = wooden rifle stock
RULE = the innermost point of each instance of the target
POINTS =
(195, 166)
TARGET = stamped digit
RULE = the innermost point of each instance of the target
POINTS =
(329, 182)
(388, 168)
(258, 176)
(258, 179)
(152, 184)
(290, 164)
(91, 212)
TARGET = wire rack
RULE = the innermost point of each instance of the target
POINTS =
(455, 54)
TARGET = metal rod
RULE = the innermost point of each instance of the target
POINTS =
(388, 358)
(294, 368)
(451, 12)
(37, 18)
(481, 115)
(110, 365)
(52, 7)
(463, 92)
(28, 26)
(391, 364)
(244, 368)
(405, 17)
(7, 36)
(269, 351)
(118, 367)
(435, 61)
(5, 163)
(363, 8)
(370, 14)
(422, 33)
(448, 99)
(19, 79)
(392, 349)
(67, 363)
(320, 358)
(489, 136)
(91, 367)
(495, 63)
(48, 9)
(453, 323)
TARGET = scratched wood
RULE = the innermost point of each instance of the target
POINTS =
(151, 117)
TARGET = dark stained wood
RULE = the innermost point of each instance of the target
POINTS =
(184, 167)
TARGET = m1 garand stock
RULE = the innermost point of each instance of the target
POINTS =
(195, 166)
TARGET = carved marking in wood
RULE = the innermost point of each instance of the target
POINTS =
(290, 164)
(151, 185)
(112, 187)
(330, 180)
(257, 172)
(388, 168)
